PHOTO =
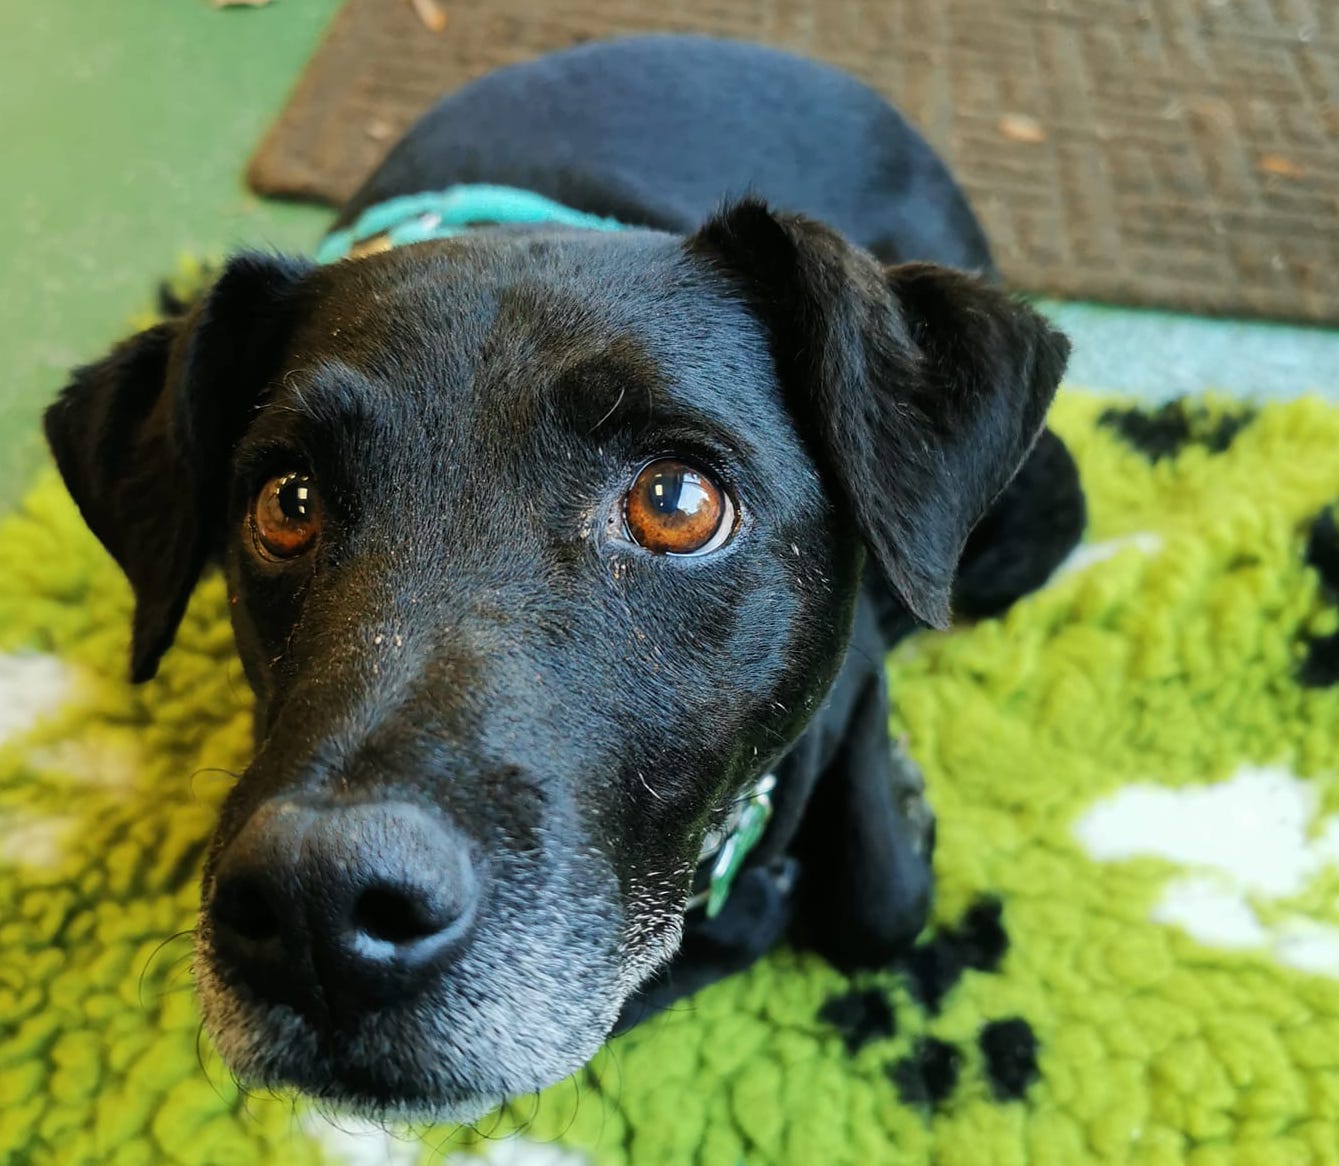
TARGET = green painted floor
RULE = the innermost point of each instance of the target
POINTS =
(124, 127)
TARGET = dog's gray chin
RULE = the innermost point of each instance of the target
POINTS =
(402, 1070)
(275, 1050)
(530, 1002)
(462, 1110)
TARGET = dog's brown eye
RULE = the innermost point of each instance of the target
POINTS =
(675, 509)
(286, 516)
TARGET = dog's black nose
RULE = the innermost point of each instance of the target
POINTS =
(364, 902)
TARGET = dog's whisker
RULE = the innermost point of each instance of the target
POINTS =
(245, 1097)
(153, 955)
(533, 1116)
(455, 1134)
(437, 1146)
(204, 1069)
(622, 392)
(332, 1115)
(217, 770)
(497, 1117)
(235, 675)
(606, 1098)
(476, 1131)
(577, 1079)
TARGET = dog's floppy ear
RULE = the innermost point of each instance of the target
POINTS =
(920, 389)
(143, 436)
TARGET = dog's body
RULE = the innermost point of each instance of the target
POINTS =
(660, 131)
(499, 703)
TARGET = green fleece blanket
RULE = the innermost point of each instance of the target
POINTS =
(1136, 954)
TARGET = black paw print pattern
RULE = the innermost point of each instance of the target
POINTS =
(860, 1016)
(1165, 431)
(1320, 666)
(929, 1074)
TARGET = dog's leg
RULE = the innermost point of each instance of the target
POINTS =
(867, 834)
(845, 864)
(865, 844)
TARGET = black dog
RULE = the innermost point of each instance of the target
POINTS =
(545, 545)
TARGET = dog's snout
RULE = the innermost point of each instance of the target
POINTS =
(351, 905)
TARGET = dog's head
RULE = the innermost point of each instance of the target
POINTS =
(539, 547)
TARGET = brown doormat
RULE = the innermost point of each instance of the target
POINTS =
(1170, 153)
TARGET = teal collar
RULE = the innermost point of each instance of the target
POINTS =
(418, 218)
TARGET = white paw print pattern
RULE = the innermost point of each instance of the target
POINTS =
(1253, 836)
(33, 687)
(1090, 554)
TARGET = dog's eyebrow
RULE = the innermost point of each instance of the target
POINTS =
(620, 387)
(331, 395)
(333, 400)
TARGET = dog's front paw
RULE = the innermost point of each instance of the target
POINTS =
(912, 804)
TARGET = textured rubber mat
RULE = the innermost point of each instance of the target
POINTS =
(1170, 153)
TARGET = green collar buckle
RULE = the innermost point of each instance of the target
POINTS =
(727, 846)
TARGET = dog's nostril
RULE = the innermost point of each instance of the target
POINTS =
(396, 916)
(243, 907)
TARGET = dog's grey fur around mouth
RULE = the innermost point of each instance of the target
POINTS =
(447, 1057)
(474, 657)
